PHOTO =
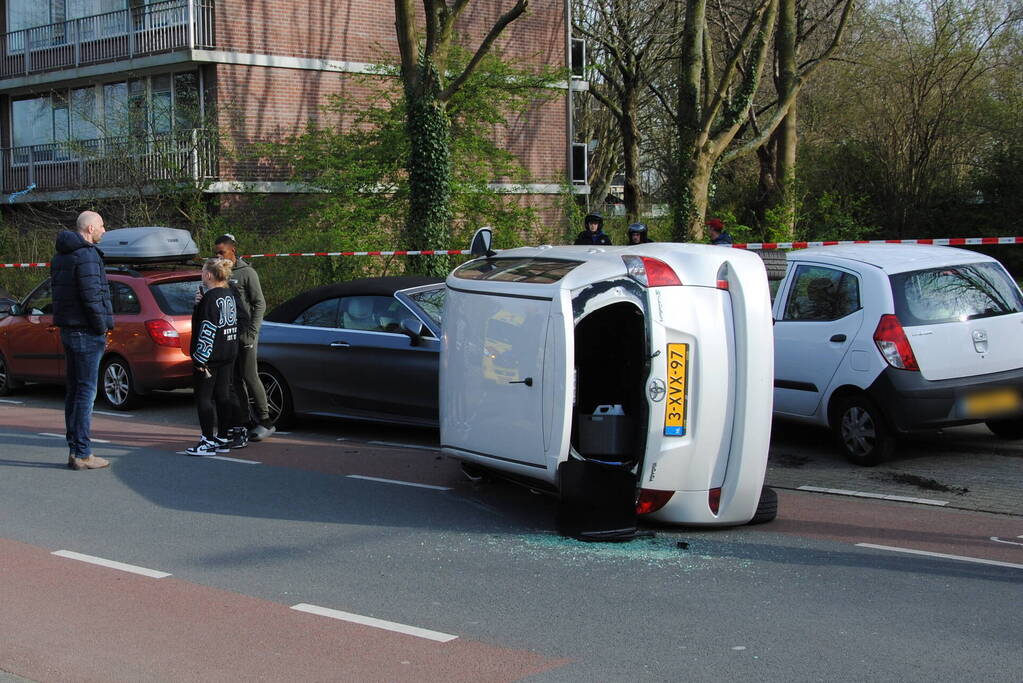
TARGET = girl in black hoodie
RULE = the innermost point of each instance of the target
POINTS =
(213, 350)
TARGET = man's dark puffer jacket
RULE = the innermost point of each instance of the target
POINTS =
(81, 295)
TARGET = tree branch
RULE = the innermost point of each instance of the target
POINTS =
(495, 31)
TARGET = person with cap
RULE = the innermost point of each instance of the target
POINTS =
(593, 232)
(637, 234)
(718, 235)
(246, 378)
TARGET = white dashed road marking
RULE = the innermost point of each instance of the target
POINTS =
(222, 457)
(1002, 540)
(943, 556)
(61, 436)
(375, 623)
(152, 573)
(879, 496)
(105, 412)
(10, 400)
(395, 481)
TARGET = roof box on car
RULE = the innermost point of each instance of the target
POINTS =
(150, 244)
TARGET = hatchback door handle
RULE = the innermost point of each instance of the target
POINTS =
(528, 381)
(838, 338)
(339, 345)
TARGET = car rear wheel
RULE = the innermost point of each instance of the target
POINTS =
(278, 397)
(1006, 429)
(116, 380)
(767, 508)
(7, 383)
(862, 433)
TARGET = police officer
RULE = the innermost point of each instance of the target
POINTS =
(637, 233)
(594, 231)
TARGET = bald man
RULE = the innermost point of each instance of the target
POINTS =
(83, 312)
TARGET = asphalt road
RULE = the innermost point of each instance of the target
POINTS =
(838, 588)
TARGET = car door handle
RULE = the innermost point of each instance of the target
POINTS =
(528, 381)
(838, 338)
(339, 345)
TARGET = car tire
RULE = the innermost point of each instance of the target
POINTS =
(7, 383)
(775, 262)
(116, 384)
(767, 507)
(278, 397)
(1006, 429)
(863, 435)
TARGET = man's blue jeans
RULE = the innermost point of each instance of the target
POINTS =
(83, 350)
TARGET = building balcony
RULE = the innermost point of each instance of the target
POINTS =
(151, 29)
(113, 165)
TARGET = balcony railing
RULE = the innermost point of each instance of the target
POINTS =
(115, 162)
(137, 31)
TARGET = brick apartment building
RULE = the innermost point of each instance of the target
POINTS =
(86, 84)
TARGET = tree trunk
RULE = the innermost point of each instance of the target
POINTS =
(428, 224)
(630, 149)
(785, 135)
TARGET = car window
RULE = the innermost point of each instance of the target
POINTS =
(431, 302)
(372, 313)
(40, 302)
(954, 293)
(534, 270)
(177, 297)
(320, 314)
(124, 299)
(819, 293)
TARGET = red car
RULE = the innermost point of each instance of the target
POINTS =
(146, 350)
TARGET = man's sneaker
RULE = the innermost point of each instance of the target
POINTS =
(204, 447)
(259, 432)
(239, 438)
(223, 443)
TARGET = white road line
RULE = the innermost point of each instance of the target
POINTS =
(1002, 540)
(221, 457)
(152, 573)
(403, 445)
(960, 558)
(283, 433)
(105, 412)
(23, 436)
(395, 481)
(375, 623)
(10, 400)
(878, 496)
(61, 436)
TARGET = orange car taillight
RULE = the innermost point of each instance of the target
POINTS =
(650, 272)
(651, 500)
(891, 340)
(163, 333)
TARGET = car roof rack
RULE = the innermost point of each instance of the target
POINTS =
(148, 245)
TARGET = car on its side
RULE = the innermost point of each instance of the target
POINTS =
(879, 340)
(147, 349)
(365, 349)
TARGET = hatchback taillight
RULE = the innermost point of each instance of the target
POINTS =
(650, 272)
(893, 344)
(652, 500)
(714, 500)
(163, 333)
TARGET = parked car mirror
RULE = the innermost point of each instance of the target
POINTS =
(16, 310)
(413, 328)
(481, 241)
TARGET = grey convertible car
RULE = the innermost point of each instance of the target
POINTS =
(365, 349)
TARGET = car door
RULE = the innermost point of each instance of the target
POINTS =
(817, 319)
(34, 341)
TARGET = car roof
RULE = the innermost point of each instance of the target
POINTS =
(371, 286)
(891, 258)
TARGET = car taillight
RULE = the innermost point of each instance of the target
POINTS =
(651, 500)
(722, 279)
(891, 340)
(163, 333)
(650, 272)
(714, 500)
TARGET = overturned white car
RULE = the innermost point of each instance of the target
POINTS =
(653, 362)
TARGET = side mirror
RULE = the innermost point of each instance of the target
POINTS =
(16, 309)
(413, 329)
(481, 242)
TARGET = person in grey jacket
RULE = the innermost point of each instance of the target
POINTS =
(83, 312)
(246, 380)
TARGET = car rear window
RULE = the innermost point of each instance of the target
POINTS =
(176, 297)
(533, 270)
(954, 294)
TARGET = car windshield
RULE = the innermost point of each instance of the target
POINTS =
(533, 270)
(954, 294)
(176, 297)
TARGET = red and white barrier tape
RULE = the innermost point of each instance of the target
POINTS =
(943, 241)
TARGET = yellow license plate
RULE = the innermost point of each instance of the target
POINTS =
(994, 402)
(675, 401)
